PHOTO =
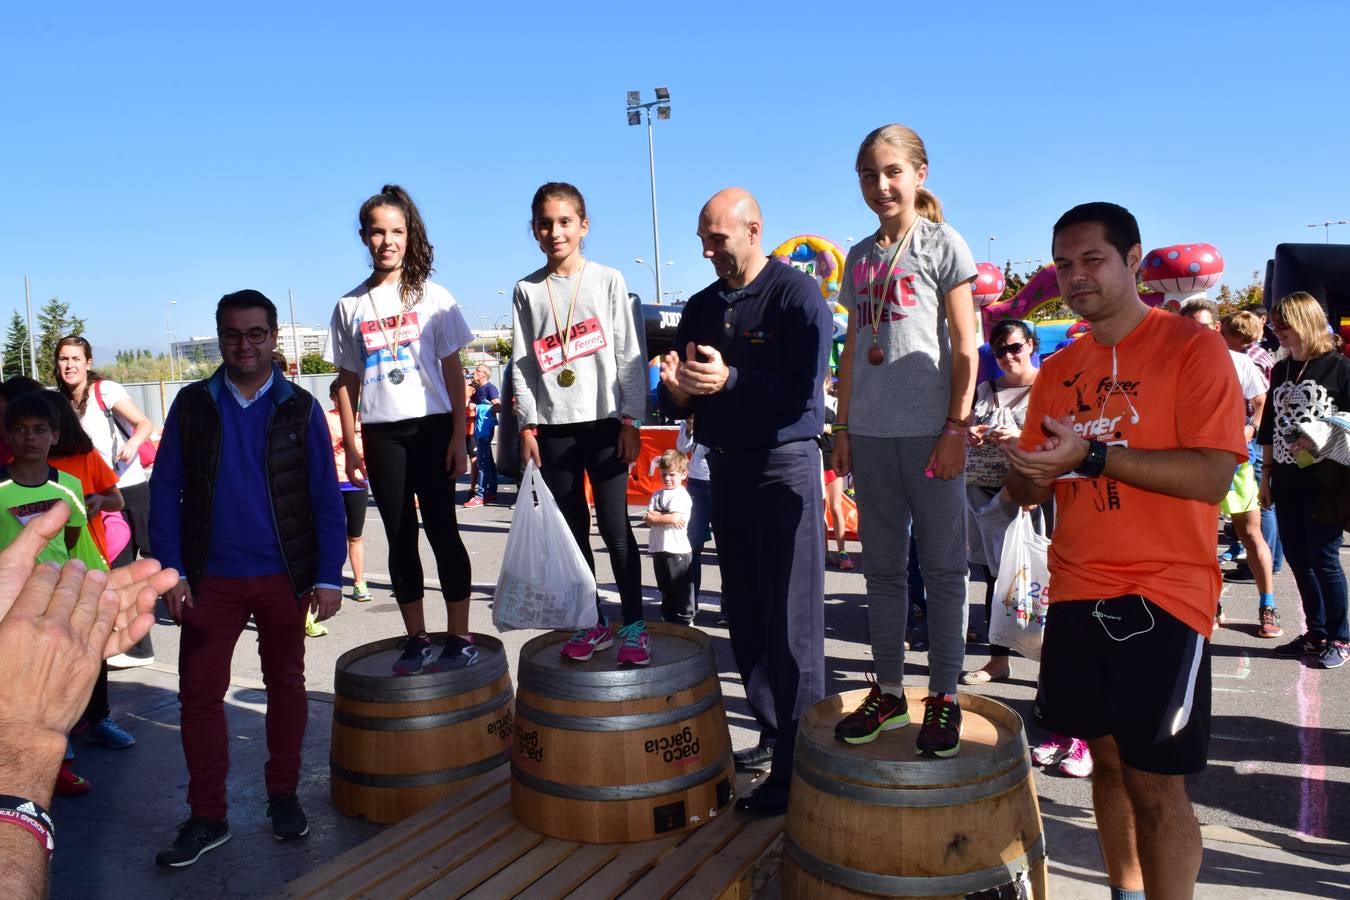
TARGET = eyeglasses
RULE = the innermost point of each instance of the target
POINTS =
(234, 335)
(1279, 325)
(1010, 349)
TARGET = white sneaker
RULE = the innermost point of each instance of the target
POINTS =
(126, 661)
(1078, 762)
(1051, 751)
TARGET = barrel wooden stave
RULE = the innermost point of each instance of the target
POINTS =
(878, 821)
(388, 756)
(597, 770)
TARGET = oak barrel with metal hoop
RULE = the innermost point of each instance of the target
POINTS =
(878, 820)
(402, 742)
(604, 754)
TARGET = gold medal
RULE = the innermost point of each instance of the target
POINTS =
(567, 378)
(875, 355)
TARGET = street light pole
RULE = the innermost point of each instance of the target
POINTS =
(635, 109)
(173, 375)
(1327, 227)
(32, 343)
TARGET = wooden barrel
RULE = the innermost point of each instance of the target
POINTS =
(402, 742)
(878, 820)
(604, 754)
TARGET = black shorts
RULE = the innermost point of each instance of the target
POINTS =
(355, 503)
(1125, 667)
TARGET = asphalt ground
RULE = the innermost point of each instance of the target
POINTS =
(1274, 803)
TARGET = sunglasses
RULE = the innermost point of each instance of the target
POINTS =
(1010, 349)
(1279, 325)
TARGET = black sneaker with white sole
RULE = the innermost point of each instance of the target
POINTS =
(288, 819)
(195, 837)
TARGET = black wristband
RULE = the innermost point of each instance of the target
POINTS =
(1094, 464)
(33, 818)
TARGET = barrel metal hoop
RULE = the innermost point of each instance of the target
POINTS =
(420, 723)
(419, 779)
(620, 684)
(934, 773)
(921, 797)
(914, 885)
(432, 686)
(621, 792)
(618, 723)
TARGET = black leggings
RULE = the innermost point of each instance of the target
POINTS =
(355, 503)
(592, 448)
(407, 458)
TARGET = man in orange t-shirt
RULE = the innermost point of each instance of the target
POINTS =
(1136, 429)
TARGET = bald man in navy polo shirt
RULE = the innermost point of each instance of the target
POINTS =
(751, 351)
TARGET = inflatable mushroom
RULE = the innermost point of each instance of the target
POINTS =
(1182, 272)
(988, 284)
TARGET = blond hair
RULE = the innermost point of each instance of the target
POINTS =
(673, 461)
(1242, 325)
(1306, 318)
(907, 141)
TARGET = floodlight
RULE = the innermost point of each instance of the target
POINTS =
(634, 98)
(634, 117)
(663, 112)
(663, 93)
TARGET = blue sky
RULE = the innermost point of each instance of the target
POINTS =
(162, 151)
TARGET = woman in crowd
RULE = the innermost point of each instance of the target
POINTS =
(118, 429)
(1310, 384)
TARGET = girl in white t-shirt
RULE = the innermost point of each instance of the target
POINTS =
(395, 339)
(580, 378)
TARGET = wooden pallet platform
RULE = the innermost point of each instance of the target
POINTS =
(469, 845)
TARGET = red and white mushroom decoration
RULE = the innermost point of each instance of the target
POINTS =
(988, 284)
(1182, 272)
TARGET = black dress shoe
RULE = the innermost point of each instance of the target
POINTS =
(754, 759)
(769, 799)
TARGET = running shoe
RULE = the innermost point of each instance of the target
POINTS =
(313, 627)
(129, 661)
(586, 641)
(878, 712)
(417, 652)
(940, 734)
(360, 593)
(68, 784)
(195, 837)
(831, 559)
(635, 648)
(288, 819)
(1270, 623)
(458, 654)
(845, 564)
(109, 734)
(1334, 655)
(1305, 644)
(1077, 763)
(1051, 751)
(473, 502)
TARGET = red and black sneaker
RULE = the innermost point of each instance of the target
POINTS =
(940, 734)
(877, 713)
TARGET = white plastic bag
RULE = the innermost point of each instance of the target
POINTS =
(544, 580)
(1022, 591)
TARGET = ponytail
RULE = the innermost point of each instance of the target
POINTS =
(928, 205)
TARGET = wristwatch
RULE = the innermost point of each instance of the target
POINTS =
(629, 420)
(1094, 464)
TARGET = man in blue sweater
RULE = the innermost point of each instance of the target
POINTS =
(245, 503)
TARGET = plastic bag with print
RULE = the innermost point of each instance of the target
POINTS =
(544, 580)
(1022, 591)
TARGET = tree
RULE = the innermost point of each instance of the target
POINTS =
(315, 364)
(54, 323)
(17, 349)
(502, 349)
(1231, 301)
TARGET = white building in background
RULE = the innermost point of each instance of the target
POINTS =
(207, 349)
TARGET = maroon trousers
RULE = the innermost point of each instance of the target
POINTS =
(211, 628)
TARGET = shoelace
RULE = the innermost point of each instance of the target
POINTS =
(871, 704)
(632, 634)
(936, 711)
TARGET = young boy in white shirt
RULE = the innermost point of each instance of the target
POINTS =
(668, 517)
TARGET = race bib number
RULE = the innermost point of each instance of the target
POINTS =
(375, 333)
(27, 512)
(584, 339)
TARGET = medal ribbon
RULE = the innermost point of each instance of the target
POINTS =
(876, 305)
(571, 308)
(390, 341)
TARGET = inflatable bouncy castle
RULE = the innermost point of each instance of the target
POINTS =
(822, 259)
